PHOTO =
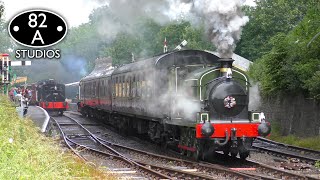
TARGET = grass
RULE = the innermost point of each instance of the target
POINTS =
(307, 142)
(27, 154)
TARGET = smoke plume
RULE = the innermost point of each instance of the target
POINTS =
(223, 19)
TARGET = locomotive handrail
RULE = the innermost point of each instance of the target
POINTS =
(218, 78)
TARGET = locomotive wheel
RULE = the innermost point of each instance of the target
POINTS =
(191, 142)
(234, 154)
(198, 154)
(164, 142)
(226, 153)
(122, 127)
(244, 155)
(189, 153)
(183, 152)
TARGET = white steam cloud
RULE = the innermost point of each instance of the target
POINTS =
(223, 19)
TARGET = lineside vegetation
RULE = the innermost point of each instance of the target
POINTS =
(27, 154)
(307, 142)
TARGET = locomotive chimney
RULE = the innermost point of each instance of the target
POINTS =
(225, 67)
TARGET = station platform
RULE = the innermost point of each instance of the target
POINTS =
(39, 116)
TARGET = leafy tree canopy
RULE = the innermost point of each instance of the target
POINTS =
(268, 18)
(293, 64)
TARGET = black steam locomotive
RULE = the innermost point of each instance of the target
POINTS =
(50, 95)
(190, 99)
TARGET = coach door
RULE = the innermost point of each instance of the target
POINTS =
(180, 98)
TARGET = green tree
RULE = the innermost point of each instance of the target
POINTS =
(122, 48)
(268, 18)
(293, 64)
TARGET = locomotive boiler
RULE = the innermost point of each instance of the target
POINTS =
(189, 99)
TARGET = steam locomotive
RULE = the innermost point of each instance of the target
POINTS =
(189, 99)
(50, 95)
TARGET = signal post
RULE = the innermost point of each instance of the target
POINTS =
(5, 71)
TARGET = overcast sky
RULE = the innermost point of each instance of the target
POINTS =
(75, 12)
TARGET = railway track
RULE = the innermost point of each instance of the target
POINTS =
(287, 151)
(175, 167)
(84, 142)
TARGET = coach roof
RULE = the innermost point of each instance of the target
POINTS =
(175, 58)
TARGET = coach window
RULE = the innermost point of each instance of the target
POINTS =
(120, 87)
(93, 86)
(100, 92)
(94, 89)
(138, 85)
(97, 88)
(113, 87)
(100, 85)
(89, 88)
(133, 86)
(116, 86)
(105, 88)
(128, 86)
(89, 93)
(143, 85)
(148, 85)
(124, 92)
(125, 88)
